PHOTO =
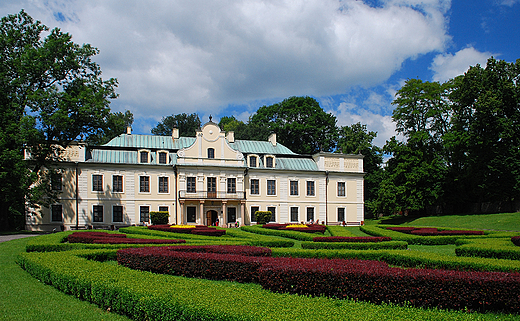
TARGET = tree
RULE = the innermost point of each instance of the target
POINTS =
(51, 92)
(356, 139)
(116, 124)
(230, 123)
(187, 125)
(487, 127)
(300, 124)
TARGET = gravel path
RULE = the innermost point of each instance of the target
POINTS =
(5, 238)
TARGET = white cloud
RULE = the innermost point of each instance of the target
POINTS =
(201, 56)
(447, 66)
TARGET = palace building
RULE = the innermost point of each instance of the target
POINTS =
(210, 179)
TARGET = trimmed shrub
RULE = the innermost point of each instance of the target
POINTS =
(107, 240)
(359, 239)
(89, 237)
(263, 217)
(371, 281)
(396, 245)
(516, 240)
(225, 249)
(196, 230)
(159, 218)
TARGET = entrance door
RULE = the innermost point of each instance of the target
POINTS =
(212, 187)
(211, 218)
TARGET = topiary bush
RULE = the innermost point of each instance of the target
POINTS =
(159, 218)
(263, 217)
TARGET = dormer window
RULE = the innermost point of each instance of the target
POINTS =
(163, 158)
(211, 153)
(143, 156)
(252, 161)
(269, 162)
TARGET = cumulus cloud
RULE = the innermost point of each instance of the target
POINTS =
(201, 56)
(447, 66)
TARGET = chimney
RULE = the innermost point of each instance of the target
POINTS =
(129, 130)
(272, 139)
(175, 133)
(230, 136)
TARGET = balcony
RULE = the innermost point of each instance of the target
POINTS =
(212, 195)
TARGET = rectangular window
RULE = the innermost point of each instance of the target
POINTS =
(143, 157)
(231, 185)
(211, 153)
(255, 186)
(341, 214)
(254, 209)
(144, 184)
(117, 183)
(310, 188)
(191, 214)
(273, 213)
(252, 161)
(57, 213)
(56, 181)
(341, 188)
(163, 158)
(117, 214)
(163, 184)
(310, 214)
(97, 183)
(212, 187)
(294, 214)
(97, 213)
(269, 162)
(144, 214)
(231, 214)
(294, 187)
(190, 185)
(271, 187)
(163, 208)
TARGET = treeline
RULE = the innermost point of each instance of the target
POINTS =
(458, 143)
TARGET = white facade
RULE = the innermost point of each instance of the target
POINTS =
(204, 180)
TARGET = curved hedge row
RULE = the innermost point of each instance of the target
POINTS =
(353, 239)
(516, 240)
(282, 233)
(500, 248)
(395, 245)
(164, 297)
(371, 281)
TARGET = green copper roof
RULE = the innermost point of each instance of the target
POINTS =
(124, 157)
(296, 164)
(260, 147)
(150, 142)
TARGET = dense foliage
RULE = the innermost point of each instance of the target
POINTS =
(51, 94)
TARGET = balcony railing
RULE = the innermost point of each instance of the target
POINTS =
(211, 195)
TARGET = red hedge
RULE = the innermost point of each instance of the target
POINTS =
(311, 228)
(198, 230)
(516, 240)
(371, 281)
(107, 238)
(225, 249)
(89, 237)
(432, 231)
(357, 239)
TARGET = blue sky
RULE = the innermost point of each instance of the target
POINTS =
(231, 57)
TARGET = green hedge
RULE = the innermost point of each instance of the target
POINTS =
(397, 245)
(500, 248)
(407, 259)
(301, 236)
(378, 230)
(159, 218)
(148, 296)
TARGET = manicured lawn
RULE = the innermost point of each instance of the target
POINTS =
(25, 298)
(499, 222)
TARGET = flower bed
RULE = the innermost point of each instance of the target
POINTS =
(357, 239)
(371, 281)
(432, 231)
(107, 238)
(516, 240)
(195, 229)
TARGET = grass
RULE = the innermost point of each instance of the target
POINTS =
(25, 298)
(497, 222)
